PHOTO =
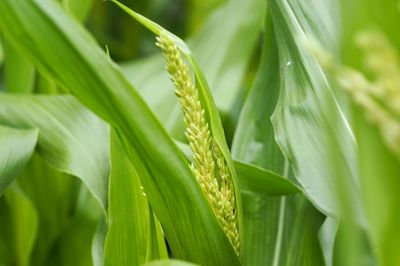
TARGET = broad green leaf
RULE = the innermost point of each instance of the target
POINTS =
(19, 224)
(71, 139)
(88, 73)
(310, 119)
(17, 147)
(274, 227)
(307, 103)
(128, 212)
(169, 263)
(19, 73)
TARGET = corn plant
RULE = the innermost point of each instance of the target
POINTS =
(269, 134)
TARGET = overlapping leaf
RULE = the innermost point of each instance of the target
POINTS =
(307, 103)
(82, 67)
(17, 147)
(71, 138)
(275, 227)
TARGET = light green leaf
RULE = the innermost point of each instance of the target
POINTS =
(19, 73)
(17, 147)
(307, 103)
(156, 247)
(255, 178)
(87, 72)
(128, 212)
(259, 180)
(274, 227)
(71, 139)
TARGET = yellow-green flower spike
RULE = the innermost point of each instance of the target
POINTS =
(209, 165)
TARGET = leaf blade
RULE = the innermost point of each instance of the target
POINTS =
(17, 147)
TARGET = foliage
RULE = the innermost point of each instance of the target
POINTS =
(286, 152)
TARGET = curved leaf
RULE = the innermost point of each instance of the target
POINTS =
(253, 178)
(71, 138)
(278, 230)
(17, 147)
(307, 103)
(259, 180)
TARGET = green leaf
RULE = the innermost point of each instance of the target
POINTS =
(259, 180)
(307, 103)
(71, 139)
(274, 227)
(18, 72)
(73, 246)
(54, 196)
(17, 147)
(156, 247)
(18, 227)
(253, 178)
(87, 72)
(128, 212)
